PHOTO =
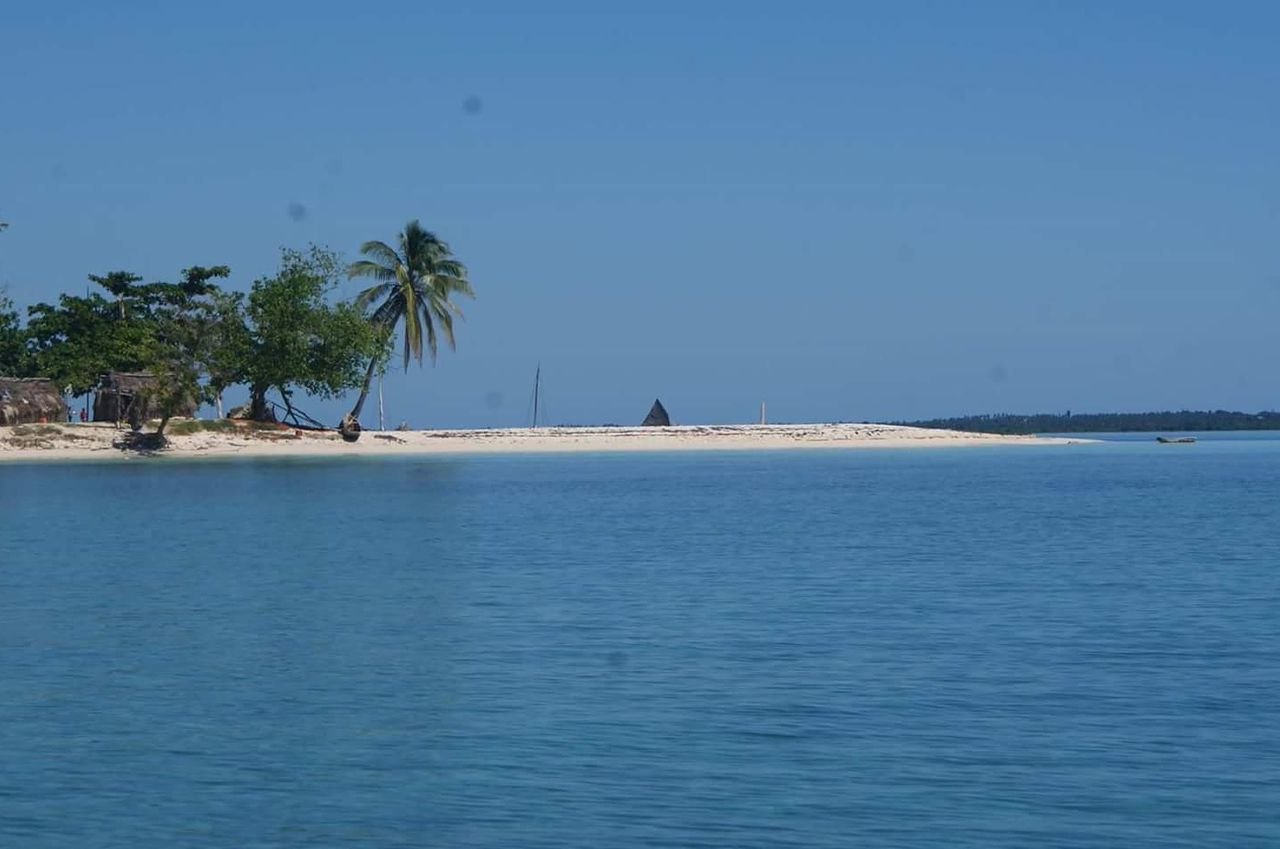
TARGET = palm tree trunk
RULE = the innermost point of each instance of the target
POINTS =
(364, 389)
(349, 427)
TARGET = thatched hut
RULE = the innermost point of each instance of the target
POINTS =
(124, 396)
(30, 401)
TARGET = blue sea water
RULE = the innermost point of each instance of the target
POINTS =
(978, 647)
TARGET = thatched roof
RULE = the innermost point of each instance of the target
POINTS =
(29, 401)
(657, 416)
(123, 396)
(126, 383)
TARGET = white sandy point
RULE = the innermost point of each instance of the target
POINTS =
(95, 441)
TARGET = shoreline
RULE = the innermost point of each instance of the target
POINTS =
(54, 442)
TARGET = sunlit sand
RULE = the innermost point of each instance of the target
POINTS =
(35, 442)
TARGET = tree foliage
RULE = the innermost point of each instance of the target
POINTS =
(14, 360)
(198, 349)
(285, 334)
(416, 288)
(1196, 420)
(197, 339)
(297, 338)
(80, 338)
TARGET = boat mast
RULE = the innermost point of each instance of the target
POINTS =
(537, 381)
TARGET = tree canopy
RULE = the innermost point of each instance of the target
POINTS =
(14, 360)
(77, 340)
(287, 333)
(297, 338)
(197, 338)
(1204, 420)
(417, 287)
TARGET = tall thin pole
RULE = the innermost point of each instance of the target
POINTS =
(537, 382)
(761, 412)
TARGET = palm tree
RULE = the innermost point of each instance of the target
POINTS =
(415, 286)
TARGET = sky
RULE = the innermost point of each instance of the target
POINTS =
(850, 211)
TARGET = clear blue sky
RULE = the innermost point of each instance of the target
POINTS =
(850, 211)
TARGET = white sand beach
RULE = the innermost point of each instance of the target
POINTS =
(96, 441)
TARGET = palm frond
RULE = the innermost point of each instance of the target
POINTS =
(450, 267)
(389, 311)
(417, 286)
(369, 268)
(373, 293)
(414, 243)
(412, 325)
(446, 325)
(382, 253)
(451, 284)
(430, 325)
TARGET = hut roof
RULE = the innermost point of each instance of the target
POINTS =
(127, 382)
(657, 416)
(124, 395)
(27, 400)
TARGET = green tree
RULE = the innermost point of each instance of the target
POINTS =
(75, 342)
(79, 339)
(198, 340)
(230, 344)
(197, 333)
(14, 359)
(297, 338)
(178, 358)
(122, 285)
(414, 287)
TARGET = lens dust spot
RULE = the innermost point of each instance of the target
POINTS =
(472, 105)
(296, 211)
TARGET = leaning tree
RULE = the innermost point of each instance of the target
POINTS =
(415, 287)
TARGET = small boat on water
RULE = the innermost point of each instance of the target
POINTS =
(1175, 440)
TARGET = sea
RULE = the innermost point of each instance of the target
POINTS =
(1001, 646)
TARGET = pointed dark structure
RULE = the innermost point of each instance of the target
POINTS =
(657, 416)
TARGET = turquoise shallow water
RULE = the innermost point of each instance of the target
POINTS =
(978, 647)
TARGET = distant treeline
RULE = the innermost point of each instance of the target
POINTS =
(1108, 422)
